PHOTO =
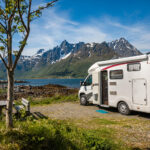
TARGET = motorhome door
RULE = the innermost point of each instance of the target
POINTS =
(139, 88)
(96, 88)
(104, 87)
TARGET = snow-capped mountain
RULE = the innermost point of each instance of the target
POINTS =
(66, 58)
(124, 48)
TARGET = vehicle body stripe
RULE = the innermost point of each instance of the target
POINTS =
(108, 67)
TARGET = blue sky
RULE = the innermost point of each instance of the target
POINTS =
(91, 21)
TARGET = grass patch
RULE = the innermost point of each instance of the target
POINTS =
(50, 100)
(3, 91)
(105, 122)
(55, 135)
(53, 99)
(125, 123)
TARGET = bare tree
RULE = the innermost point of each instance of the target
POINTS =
(15, 18)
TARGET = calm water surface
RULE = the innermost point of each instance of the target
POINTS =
(73, 83)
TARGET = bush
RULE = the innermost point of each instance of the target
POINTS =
(53, 135)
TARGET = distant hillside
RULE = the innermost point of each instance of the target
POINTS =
(70, 60)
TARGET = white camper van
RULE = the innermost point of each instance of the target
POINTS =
(122, 83)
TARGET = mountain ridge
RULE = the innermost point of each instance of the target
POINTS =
(70, 59)
(121, 46)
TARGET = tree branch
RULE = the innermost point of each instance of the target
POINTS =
(13, 13)
(3, 27)
(4, 15)
(22, 21)
(27, 28)
(3, 61)
(3, 42)
(43, 7)
(29, 14)
(20, 51)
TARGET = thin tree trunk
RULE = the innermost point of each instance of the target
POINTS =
(10, 96)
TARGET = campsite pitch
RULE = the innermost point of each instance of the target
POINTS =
(133, 130)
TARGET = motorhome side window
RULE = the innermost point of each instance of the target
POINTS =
(89, 80)
(134, 67)
(116, 74)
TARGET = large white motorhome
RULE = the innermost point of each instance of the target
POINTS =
(122, 83)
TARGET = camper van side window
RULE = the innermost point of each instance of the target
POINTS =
(116, 74)
(134, 67)
(89, 80)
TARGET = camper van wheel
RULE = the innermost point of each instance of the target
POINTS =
(83, 100)
(123, 108)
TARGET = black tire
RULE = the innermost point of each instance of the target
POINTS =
(123, 108)
(83, 100)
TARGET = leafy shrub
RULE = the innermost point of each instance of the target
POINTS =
(53, 135)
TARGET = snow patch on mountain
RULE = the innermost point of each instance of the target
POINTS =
(124, 48)
(66, 56)
(92, 44)
(39, 53)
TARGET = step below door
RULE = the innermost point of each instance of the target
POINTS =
(139, 88)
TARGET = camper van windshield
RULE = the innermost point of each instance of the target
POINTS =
(89, 80)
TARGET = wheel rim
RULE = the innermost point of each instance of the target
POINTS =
(123, 108)
(82, 100)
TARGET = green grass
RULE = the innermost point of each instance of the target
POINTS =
(53, 99)
(105, 121)
(2, 91)
(56, 135)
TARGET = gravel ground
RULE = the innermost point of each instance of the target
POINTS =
(69, 111)
(134, 130)
(76, 111)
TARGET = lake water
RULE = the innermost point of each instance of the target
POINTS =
(72, 83)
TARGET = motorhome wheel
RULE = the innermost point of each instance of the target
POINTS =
(83, 100)
(123, 108)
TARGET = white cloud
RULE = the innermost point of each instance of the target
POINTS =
(56, 26)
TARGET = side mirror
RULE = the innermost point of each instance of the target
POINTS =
(82, 83)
